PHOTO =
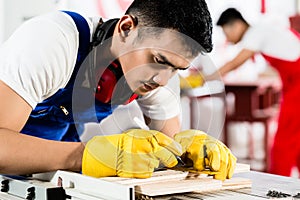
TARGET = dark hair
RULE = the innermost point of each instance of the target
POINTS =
(189, 17)
(230, 15)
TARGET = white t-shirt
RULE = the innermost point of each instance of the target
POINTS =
(273, 40)
(39, 58)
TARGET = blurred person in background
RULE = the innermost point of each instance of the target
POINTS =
(280, 47)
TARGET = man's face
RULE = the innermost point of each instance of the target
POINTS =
(233, 31)
(152, 61)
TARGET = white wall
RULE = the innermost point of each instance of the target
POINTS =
(1, 21)
(104, 8)
(85, 7)
(15, 12)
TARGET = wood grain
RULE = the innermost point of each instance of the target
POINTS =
(173, 181)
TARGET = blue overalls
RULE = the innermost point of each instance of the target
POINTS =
(54, 117)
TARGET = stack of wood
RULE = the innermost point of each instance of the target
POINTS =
(171, 181)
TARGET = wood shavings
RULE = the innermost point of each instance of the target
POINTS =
(143, 197)
(274, 193)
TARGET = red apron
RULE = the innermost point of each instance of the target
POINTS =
(285, 153)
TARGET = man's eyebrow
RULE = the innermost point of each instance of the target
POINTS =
(166, 61)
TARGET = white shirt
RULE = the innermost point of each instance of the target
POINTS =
(274, 40)
(39, 58)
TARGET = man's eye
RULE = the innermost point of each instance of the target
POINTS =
(174, 70)
(157, 60)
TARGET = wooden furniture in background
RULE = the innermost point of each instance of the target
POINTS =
(252, 102)
(295, 22)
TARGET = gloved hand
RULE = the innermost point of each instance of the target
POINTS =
(206, 152)
(134, 153)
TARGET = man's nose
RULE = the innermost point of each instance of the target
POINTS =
(162, 77)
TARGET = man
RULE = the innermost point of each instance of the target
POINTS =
(61, 70)
(280, 46)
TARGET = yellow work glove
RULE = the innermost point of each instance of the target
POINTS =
(134, 154)
(191, 81)
(206, 152)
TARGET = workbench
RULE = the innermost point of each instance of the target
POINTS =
(262, 183)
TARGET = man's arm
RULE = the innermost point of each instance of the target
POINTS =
(23, 154)
(242, 57)
(169, 127)
(161, 108)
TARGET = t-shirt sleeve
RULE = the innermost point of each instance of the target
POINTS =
(253, 39)
(162, 103)
(275, 41)
(39, 57)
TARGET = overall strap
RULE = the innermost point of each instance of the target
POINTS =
(84, 41)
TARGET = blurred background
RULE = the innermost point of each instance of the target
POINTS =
(249, 123)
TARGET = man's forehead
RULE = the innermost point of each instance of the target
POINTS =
(162, 37)
(167, 39)
(177, 60)
(170, 49)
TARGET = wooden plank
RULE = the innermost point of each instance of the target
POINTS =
(195, 185)
(236, 183)
(180, 186)
(158, 176)
(173, 181)
(240, 168)
(223, 195)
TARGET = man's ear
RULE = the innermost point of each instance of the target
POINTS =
(126, 24)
